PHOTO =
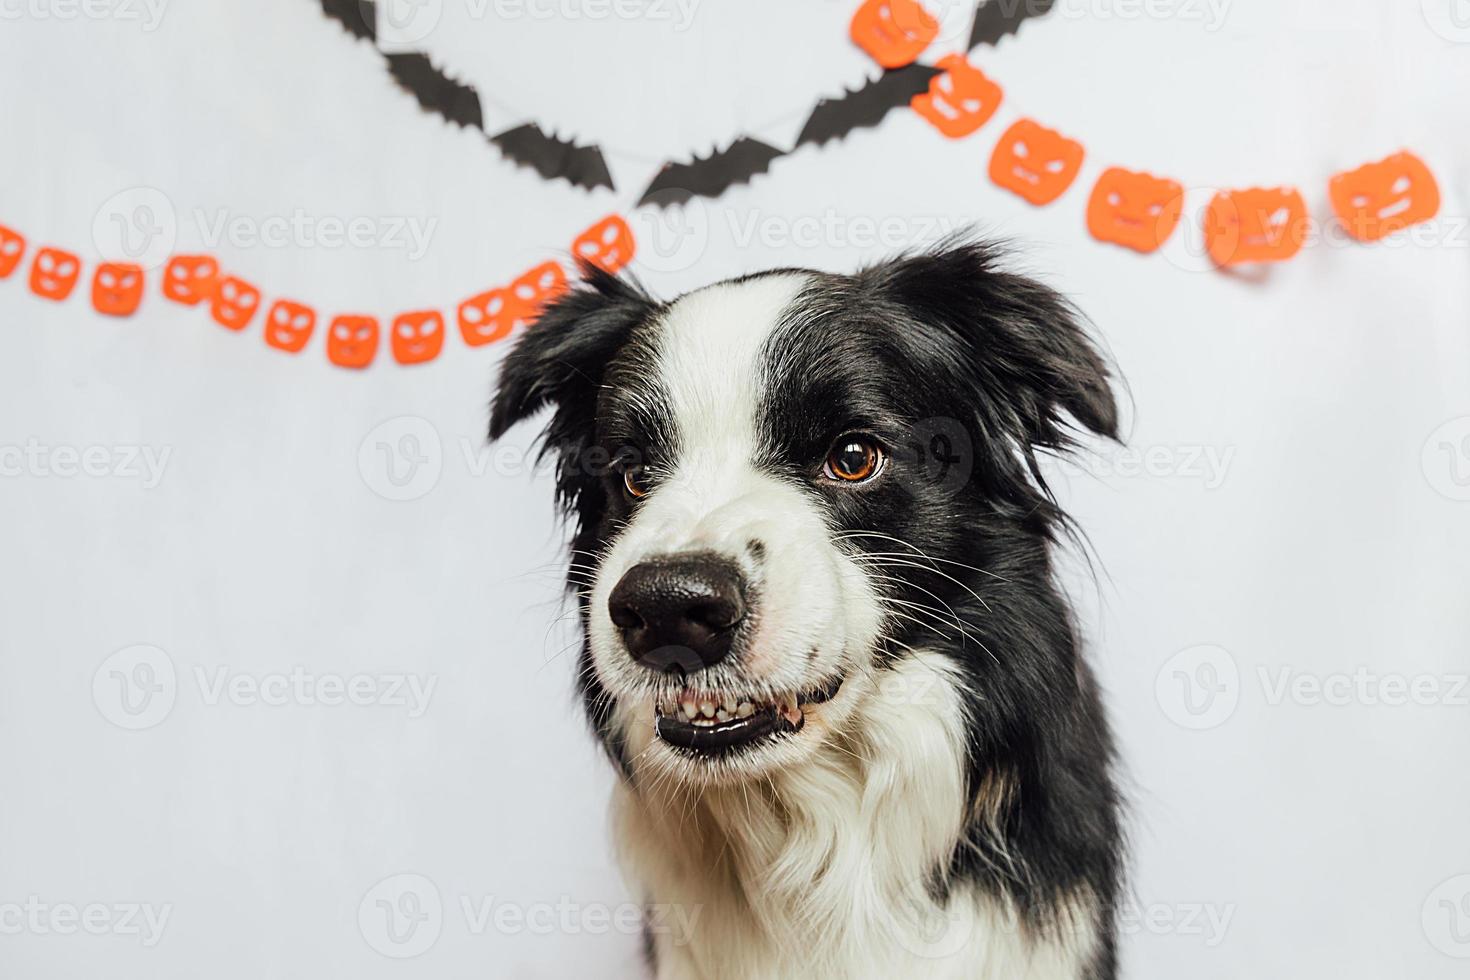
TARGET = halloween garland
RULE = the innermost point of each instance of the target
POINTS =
(1132, 209)
(745, 157)
(353, 340)
(436, 92)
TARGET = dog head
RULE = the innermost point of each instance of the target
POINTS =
(786, 484)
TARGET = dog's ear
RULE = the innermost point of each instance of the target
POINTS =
(560, 357)
(559, 361)
(1011, 351)
(1021, 343)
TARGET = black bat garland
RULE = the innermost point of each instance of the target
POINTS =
(677, 181)
(583, 166)
(458, 102)
(436, 91)
(359, 17)
(866, 106)
(834, 118)
(711, 176)
(997, 18)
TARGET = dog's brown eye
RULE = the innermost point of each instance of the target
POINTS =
(635, 481)
(853, 459)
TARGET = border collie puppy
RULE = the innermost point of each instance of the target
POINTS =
(823, 645)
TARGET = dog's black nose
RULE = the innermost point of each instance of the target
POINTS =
(679, 612)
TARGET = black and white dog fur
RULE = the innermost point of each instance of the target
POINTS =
(823, 645)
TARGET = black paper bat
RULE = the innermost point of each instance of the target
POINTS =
(551, 157)
(994, 19)
(360, 17)
(712, 175)
(835, 118)
(436, 91)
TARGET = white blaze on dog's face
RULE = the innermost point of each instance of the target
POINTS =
(725, 622)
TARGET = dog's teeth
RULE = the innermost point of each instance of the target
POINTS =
(689, 710)
(745, 710)
(788, 708)
(728, 703)
(707, 709)
(723, 715)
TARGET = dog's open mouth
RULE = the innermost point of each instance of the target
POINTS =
(704, 722)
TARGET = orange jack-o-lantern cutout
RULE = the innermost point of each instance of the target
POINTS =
(352, 341)
(608, 244)
(1256, 225)
(960, 99)
(893, 32)
(1037, 163)
(1135, 210)
(117, 288)
(1381, 198)
(288, 325)
(489, 316)
(539, 286)
(234, 302)
(189, 279)
(418, 336)
(12, 247)
(54, 273)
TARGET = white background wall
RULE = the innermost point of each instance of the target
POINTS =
(1274, 836)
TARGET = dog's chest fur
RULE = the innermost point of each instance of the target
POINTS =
(813, 873)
